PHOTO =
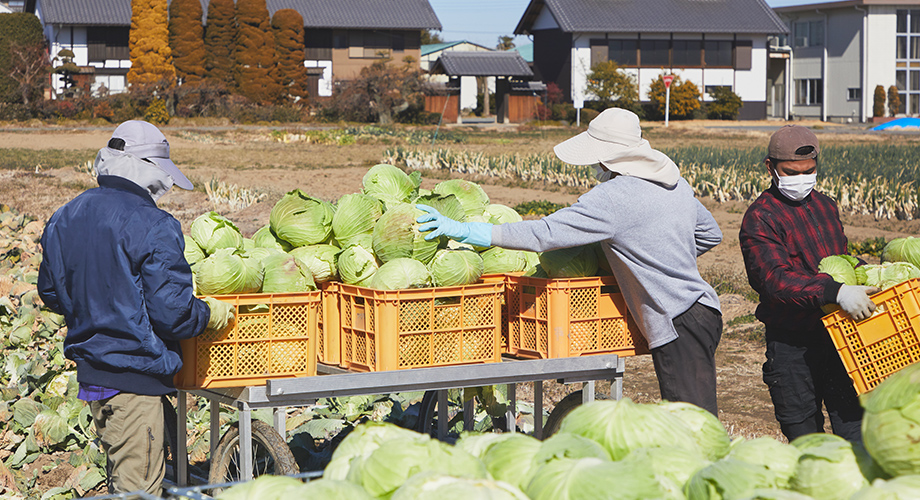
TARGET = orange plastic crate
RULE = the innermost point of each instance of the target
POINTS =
(501, 278)
(272, 336)
(569, 317)
(416, 328)
(875, 348)
(329, 334)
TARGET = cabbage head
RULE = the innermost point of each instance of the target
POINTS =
(455, 267)
(672, 467)
(265, 238)
(890, 274)
(727, 479)
(301, 220)
(827, 469)
(447, 205)
(891, 423)
(363, 440)
(840, 267)
(320, 260)
(776, 494)
(227, 272)
(401, 274)
(396, 235)
(429, 485)
(592, 478)
(473, 199)
(622, 426)
(193, 252)
(902, 250)
(354, 219)
(498, 260)
(357, 265)
(264, 487)
(511, 460)
(476, 443)
(707, 430)
(391, 185)
(567, 445)
(780, 459)
(285, 274)
(213, 231)
(572, 262)
(502, 214)
(899, 488)
(330, 489)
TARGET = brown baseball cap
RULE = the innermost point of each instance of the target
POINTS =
(793, 142)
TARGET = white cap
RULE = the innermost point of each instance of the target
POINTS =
(608, 134)
(144, 140)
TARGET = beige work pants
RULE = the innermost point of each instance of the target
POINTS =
(131, 430)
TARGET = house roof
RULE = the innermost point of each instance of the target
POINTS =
(655, 16)
(526, 52)
(841, 4)
(498, 63)
(359, 14)
(430, 48)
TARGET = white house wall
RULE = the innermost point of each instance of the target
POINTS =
(324, 87)
(843, 71)
(544, 21)
(881, 42)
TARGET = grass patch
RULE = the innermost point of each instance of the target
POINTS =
(725, 282)
(742, 320)
(42, 159)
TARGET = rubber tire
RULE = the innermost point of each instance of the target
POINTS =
(426, 416)
(266, 444)
(562, 408)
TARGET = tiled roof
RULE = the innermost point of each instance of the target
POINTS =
(361, 14)
(428, 48)
(656, 16)
(456, 63)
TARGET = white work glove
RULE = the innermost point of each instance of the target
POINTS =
(221, 314)
(854, 299)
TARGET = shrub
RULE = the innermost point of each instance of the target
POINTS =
(151, 57)
(254, 53)
(290, 74)
(894, 101)
(878, 101)
(103, 110)
(685, 98)
(156, 112)
(218, 40)
(611, 86)
(725, 105)
(17, 30)
(186, 39)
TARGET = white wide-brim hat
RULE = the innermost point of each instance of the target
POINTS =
(144, 140)
(609, 134)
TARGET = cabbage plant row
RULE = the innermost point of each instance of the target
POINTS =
(875, 180)
(623, 450)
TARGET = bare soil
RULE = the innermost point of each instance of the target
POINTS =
(248, 158)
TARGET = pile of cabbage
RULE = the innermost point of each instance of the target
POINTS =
(368, 239)
(900, 262)
(624, 450)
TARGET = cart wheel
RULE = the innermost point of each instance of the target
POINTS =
(562, 408)
(427, 422)
(270, 454)
(171, 443)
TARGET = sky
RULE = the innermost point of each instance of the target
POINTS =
(483, 21)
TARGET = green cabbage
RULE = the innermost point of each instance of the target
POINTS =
(265, 238)
(363, 440)
(727, 479)
(320, 260)
(354, 219)
(432, 485)
(447, 205)
(301, 220)
(226, 272)
(573, 262)
(193, 252)
(401, 274)
(827, 469)
(672, 467)
(891, 423)
(567, 445)
(471, 196)
(776, 494)
(455, 267)
(285, 274)
(840, 267)
(899, 488)
(248, 244)
(501, 214)
(497, 260)
(330, 489)
(708, 431)
(780, 459)
(510, 460)
(902, 250)
(396, 236)
(265, 487)
(476, 443)
(391, 185)
(213, 231)
(591, 479)
(357, 265)
(622, 426)
(890, 274)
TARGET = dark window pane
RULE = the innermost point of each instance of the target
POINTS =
(902, 21)
(902, 108)
(902, 47)
(687, 53)
(718, 53)
(654, 53)
(915, 80)
(915, 21)
(623, 52)
(801, 34)
(317, 44)
(901, 79)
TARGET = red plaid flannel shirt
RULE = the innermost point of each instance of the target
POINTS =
(782, 242)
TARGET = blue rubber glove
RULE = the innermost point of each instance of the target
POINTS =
(472, 233)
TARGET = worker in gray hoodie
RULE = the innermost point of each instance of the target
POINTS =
(651, 228)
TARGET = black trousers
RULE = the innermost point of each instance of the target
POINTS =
(804, 373)
(686, 367)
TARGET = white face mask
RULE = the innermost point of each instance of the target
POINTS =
(796, 187)
(601, 173)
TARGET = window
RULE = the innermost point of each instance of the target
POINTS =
(318, 44)
(712, 88)
(915, 21)
(687, 53)
(623, 52)
(902, 47)
(902, 21)
(854, 94)
(107, 43)
(808, 91)
(809, 33)
(718, 53)
(654, 53)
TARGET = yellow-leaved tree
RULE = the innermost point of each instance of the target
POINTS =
(151, 58)
(685, 98)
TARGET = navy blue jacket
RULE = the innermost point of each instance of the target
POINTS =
(113, 266)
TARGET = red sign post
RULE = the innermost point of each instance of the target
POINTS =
(667, 99)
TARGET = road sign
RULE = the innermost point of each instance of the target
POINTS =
(667, 92)
(667, 80)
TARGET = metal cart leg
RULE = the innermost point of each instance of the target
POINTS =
(538, 409)
(616, 386)
(442, 414)
(467, 412)
(587, 392)
(181, 445)
(511, 413)
(215, 426)
(245, 442)
(279, 417)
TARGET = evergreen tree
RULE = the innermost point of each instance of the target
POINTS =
(878, 101)
(218, 40)
(186, 39)
(291, 75)
(151, 58)
(17, 31)
(254, 52)
(894, 101)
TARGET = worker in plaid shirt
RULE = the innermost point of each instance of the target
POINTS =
(784, 235)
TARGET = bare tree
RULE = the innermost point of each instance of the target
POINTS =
(29, 67)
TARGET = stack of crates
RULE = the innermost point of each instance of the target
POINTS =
(883, 344)
(329, 334)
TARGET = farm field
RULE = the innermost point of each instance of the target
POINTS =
(242, 171)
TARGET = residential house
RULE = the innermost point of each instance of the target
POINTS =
(829, 68)
(341, 37)
(712, 43)
(469, 88)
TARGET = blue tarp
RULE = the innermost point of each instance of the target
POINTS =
(899, 123)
